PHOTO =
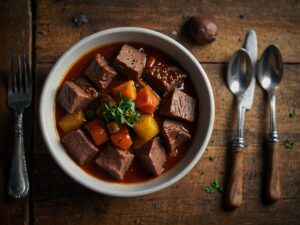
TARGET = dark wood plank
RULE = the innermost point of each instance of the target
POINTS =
(274, 21)
(15, 37)
(59, 199)
(11, 211)
(186, 202)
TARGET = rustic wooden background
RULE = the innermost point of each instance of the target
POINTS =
(44, 30)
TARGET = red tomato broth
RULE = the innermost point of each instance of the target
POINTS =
(136, 172)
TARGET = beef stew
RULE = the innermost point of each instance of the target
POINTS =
(126, 112)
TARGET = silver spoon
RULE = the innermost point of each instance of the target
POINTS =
(269, 74)
(239, 76)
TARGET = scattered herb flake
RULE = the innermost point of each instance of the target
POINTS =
(293, 114)
(123, 112)
(288, 144)
(209, 190)
(211, 158)
(214, 187)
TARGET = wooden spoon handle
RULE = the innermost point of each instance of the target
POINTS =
(235, 184)
(273, 187)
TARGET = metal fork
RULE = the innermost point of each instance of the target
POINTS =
(18, 98)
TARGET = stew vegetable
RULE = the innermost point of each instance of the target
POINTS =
(126, 112)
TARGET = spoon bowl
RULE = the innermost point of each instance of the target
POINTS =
(270, 68)
(269, 74)
(239, 76)
(239, 72)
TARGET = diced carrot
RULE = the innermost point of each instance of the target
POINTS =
(122, 139)
(127, 89)
(97, 131)
(147, 100)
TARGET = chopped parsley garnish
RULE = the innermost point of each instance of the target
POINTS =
(123, 112)
(214, 187)
(211, 158)
(293, 114)
(288, 144)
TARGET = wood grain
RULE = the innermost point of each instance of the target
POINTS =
(274, 21)
(15, 37)
(57, 199)
(60, 199)
(11, 211)
(186, 202)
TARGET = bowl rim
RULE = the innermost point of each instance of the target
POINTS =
(186, 169)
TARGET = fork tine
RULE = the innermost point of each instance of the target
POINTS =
(14, 74)
(27, 77)
(20, 73)
(10, 77)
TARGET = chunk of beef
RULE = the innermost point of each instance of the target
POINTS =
(174, 135)
(79, 147)
(87, 87)
(104, 99)
(130, 62)
(153, 156)
(178, 104)
(163, 78)
(115, 161)
(72, 98)
(99, 72)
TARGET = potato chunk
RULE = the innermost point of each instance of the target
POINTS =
(146, 128)
(71, 121)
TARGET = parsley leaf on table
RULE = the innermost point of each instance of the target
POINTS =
(211, 158)
(293, 114)
(288, 144)
(214, 187)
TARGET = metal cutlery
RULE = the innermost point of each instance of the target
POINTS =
(269, 74)
(239, 77)
(18, 98)
(241, 82)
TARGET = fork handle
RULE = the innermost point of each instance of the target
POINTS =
(18, 184)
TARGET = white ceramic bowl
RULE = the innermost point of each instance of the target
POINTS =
(165, 44)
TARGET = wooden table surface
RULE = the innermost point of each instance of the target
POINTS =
(44, 30)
